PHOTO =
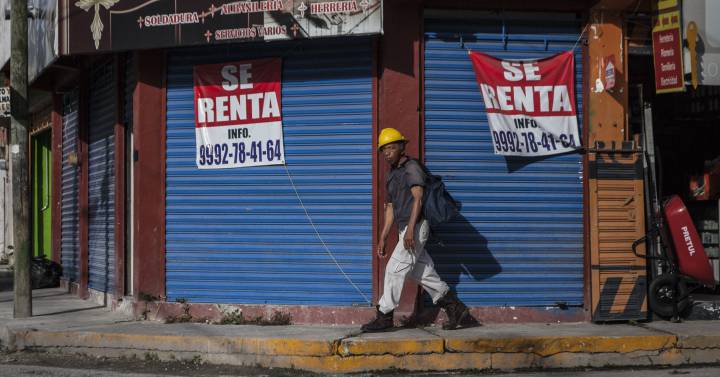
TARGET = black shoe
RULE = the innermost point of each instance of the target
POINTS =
(381, 322)
(456, 311)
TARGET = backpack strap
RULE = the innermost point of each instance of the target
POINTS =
(430, 177)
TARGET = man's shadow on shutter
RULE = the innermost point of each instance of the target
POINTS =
(460, 254)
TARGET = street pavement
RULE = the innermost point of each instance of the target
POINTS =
(63, 366)
(63, 323)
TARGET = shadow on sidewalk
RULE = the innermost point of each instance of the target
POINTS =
(42, 293)
(461, 256)
(69, 311)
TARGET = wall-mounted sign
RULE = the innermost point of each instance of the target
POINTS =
(702, 55)
(238, 119)
(111, 25)
(4, 101)
(667, 48)
(530, 104)
(609, 72)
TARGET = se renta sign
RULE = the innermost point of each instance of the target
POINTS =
(238, 119)
(530, 104)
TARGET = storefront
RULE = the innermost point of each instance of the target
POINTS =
(675, 107)
(683, 130)
(685, 127)
(144, 214)
(519, 241)
(95, 118)
(70, 188)
(296, 234)
(102, 110)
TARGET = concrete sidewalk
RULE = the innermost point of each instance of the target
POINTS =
(6, 278)
(66, 324)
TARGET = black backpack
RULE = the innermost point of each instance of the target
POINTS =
(439, 206)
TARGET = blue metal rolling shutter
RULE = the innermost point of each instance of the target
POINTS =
(101, 179)
(520, 239)
(70, 221)
(241, 235)
(130, 82)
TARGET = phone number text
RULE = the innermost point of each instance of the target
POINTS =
(239, 152)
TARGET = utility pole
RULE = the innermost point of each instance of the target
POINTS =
(19, 155)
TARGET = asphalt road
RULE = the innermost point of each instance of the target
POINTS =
(56, 365)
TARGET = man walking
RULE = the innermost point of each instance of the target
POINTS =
(409, 260)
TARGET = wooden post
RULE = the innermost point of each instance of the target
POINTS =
(19, 156)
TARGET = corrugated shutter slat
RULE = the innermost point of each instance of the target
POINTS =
(70, 222)
(520, 239)
(101, 179)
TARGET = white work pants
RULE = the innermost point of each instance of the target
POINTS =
(413, 264)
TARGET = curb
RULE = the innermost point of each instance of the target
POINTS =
(548, 346)
(366, 352)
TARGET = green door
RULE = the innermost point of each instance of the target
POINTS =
(41, 194)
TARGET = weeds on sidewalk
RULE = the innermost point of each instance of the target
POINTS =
(185, 317)
(236, 317)
(152, 357)
(182, 318)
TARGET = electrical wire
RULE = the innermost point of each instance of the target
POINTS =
(580, 37)
(317, 233)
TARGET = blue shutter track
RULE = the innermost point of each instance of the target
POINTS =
(101, 179)
(70, 215)
(520, 239)
(130, 83)
(240, 235)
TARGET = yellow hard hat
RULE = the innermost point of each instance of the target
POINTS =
(389, 135)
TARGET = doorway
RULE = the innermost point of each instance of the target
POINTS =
(682, 138)
(41, 151)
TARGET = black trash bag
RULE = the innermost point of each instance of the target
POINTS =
(45, 273)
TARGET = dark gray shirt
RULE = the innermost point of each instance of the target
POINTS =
(399, 182)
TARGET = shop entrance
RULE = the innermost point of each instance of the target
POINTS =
(41, 149)
(685, 128)
(519, 215)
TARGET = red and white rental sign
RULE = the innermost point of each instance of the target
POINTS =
(238, 119)
(530, 104)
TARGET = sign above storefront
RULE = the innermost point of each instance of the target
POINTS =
(111, 25)
(702, 56)
(4, 101)
(667, 48)
(530, 104)
(238, 120)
